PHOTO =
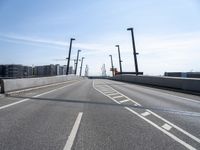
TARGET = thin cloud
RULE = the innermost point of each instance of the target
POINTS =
(47, 42)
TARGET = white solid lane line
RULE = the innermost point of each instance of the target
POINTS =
(166, 127)
(73, 133)
(123, 101)
(24, 100)
(146, 113)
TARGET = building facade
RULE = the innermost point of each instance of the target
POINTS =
(15, 71)
(19, 71)
(183, 74)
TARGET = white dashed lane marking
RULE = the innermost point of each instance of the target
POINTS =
(166, 127)
(73, 133)
(146, 113)
(124, 101)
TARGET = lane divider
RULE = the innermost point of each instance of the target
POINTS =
(72, 136)
(146, 113)
(167, 127)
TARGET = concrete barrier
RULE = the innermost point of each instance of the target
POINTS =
(8, 85)
(187, 84)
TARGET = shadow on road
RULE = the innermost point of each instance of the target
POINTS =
(168, 110)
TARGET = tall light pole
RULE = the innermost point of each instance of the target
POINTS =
(68, 62)
(81, 65)
(77, 61)
(112, 64)
(74, 63)
(120, 61)
(134, 50)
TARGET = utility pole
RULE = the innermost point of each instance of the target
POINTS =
(77, 61)
(112, 64)
(134, 50)
(120, 61)
(68, 62)
(81, 65)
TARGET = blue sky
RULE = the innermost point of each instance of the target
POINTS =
(167, 33)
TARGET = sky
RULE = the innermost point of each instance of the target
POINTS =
(38, 32)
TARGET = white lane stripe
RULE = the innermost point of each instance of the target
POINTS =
(173, 125)
(113, 94)
(166, 127)
(5, 106)
(73, 133)
(164, 131)
(38, 87)
(123, 101)
(24, 100)
(146, 113)
(118, 96)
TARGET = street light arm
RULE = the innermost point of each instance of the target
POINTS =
(134, 50)
(129, 29)
(69, 55)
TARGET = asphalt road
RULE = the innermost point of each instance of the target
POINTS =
(99, 115)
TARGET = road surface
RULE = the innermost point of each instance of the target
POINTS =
(99, 115)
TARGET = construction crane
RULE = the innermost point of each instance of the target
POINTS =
(103, 70)
(86, 70)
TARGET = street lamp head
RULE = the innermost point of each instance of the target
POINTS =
(129, 29)
(116, 45)
(83, 57)
(79, 50)
(110, 55)
(73, 39)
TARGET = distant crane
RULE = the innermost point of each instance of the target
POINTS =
(103, 70)
(86, 70)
